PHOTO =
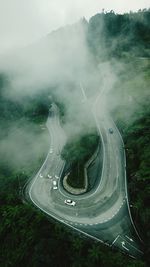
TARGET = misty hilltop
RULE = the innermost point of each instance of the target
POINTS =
(108, 53)
(116, 34)
(72, 53)
(83, 52)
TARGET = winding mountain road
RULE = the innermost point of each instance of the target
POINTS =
(102, 213)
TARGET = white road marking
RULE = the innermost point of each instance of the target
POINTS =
(115, 239)
(129, 238)
(123, 245)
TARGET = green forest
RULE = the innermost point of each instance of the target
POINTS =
(28, 237)
(77, 152)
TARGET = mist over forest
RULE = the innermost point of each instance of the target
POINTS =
(108, 53)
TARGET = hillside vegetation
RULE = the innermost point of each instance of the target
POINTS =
(115, 35)
(30, 239)
(76, 153)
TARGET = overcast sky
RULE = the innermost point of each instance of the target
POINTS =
(23, 21)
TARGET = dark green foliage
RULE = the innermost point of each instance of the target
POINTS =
(76, 152)
(136, 136)
(31, 107)
(113, 34)
(80, 148)
(137, 141)
(29, 239)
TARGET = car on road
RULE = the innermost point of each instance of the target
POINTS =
(49, 176)
(70, 202)
(110, 130)
(51, 151)
(55, 185)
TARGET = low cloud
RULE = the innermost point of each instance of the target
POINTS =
(61, 62)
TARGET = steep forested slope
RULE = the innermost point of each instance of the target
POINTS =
(111, 34)
(28, 238)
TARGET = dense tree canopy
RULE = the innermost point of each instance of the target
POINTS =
(111, 34)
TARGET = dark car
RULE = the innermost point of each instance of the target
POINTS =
(111, 130)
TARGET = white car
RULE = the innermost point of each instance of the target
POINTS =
(51, 151)
(57, 177)
(55, 185)
(49, 176)
(70, 202)
(41, 175)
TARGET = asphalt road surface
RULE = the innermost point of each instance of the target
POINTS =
(102, 213)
